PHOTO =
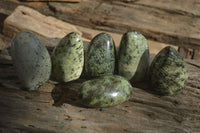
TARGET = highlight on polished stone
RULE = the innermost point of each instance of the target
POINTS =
(100, 57)
(105, 91)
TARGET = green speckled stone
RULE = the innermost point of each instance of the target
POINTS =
(100, 57)
(31, 60)
(133, 62)
(68, 58)
(168, 72)
(105, 91)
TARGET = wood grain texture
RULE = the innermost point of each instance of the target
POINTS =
(145, 112)
(4, 42)
(190, 9)
(174, 22)
(28, 19)
(53, 0)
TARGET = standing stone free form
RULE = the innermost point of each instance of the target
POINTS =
(105, 91)
(133, 62)
(68, 58)
(31, 60)
(100, 57)
(168, 72)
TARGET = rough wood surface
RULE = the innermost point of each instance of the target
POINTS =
(145, 112)
(55, 0)
(196, 55)
(28, 19)
(189, 53)
(174, 22)
(6, 8)
(4, 42)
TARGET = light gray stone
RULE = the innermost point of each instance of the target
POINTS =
(31, 60)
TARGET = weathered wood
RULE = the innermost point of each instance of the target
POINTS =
(43, 7)
(25, 18)
(182, 7)
(171, 11)
(26, 112)
(196, 55)
(54, 0)
(4, 42)
(189, 53)
(6, 7)
(164, 21)
(186, 52)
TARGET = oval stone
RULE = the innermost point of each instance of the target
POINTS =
(68, 58)
(100, 57)
(133, 57)
(105, 91)
(168, 72)
(31, 60)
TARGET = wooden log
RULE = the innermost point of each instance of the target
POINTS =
(7, 7)
(144, 112)
(187, 8)
(186, 52)
(189, 53)
(196, 55)
(22, 111)
(4, 42)
(25, 18)
(164, 21)
(53, 0)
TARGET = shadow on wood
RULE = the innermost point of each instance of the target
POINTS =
(67, 93)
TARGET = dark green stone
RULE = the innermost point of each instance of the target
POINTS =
(133, 62)
(168, 72)
(105, 91)
(31, 60)
(100, 57)
(68, 58)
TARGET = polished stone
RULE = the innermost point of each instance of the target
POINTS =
(105, 91)
(100, 57)
(168, 72)
(133, 59)
(68, 58)
(31, 60)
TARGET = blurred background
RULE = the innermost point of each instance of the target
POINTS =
(162, 22)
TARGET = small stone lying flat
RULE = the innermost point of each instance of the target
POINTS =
(106, 91)
(27, 19)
